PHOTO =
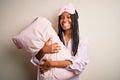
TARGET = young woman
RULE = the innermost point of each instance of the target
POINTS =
(68, 32)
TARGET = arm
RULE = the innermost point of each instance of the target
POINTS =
(48, 64)
(61, 64)
(47, 48)
(80, 61)
(76, 63)
(58, 64)
(40, 54)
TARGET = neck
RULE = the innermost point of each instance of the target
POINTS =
(67, 33)
(67, 36)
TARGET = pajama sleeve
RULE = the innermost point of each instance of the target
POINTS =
(79, 61)
(34, 60)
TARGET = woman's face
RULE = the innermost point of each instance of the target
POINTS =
(65, 21)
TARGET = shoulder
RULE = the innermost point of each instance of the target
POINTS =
(83, 41)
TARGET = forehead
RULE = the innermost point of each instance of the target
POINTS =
(65, 14)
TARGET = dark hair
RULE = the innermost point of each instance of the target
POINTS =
(75, 32)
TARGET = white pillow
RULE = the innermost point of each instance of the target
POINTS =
(33, 37)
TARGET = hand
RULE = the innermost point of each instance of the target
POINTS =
(48, 48)
(46, 66)
(51, 48)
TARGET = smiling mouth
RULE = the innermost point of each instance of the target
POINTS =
(66, 24)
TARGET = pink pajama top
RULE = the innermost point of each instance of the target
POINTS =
(79, 61)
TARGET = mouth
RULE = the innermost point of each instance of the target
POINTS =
(66, 24)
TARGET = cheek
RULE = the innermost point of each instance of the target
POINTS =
(61, 22)
(70, 21)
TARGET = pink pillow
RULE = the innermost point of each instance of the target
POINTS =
(33, 37)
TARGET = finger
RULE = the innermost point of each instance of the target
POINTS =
(55, 43)
(41, 71)
(58, 47)
(44, 69)
(56, 51)
(55, 46)
(44, 60)
(41, 65)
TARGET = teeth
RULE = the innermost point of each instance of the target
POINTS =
(66, 24)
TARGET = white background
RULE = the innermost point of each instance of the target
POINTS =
(99, 21)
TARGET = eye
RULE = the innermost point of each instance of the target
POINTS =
(68, 16)
(61, 17)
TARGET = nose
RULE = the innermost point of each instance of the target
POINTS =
(65, 19)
